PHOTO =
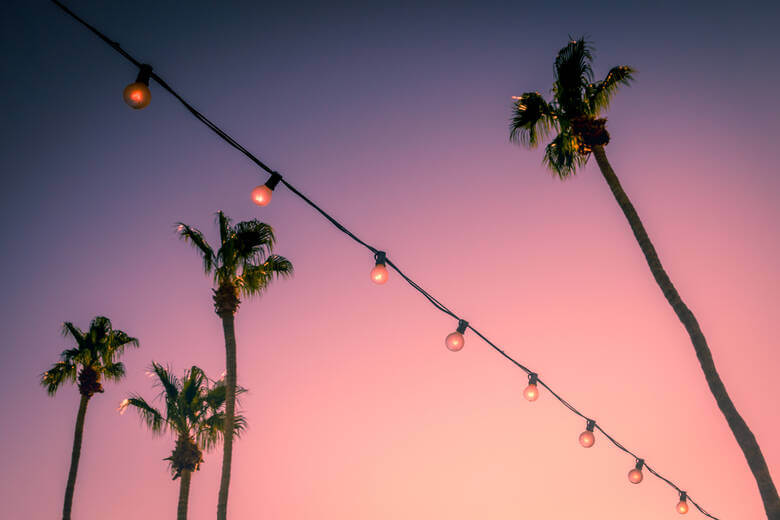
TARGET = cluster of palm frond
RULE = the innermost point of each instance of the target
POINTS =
(574, 96)
(244, 258)
(194, 406)
(97, 350)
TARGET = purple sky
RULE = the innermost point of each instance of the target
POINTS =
(395, 120)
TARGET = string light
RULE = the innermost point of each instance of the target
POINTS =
(261, 195)
(455, 340)
(379, 273)
(531, 392)
(137, 94)
(682, 505)
(587, 437)
(635, 475)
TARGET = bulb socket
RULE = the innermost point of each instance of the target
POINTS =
(533, 378)
(273, 180)
(683, 496)
(144, 73)
(640, 463)
(462, 325)
(380, 257)
(590, 425)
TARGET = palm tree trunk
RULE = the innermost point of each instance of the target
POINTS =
(745, 438)
(230, 406)
(74, 457)
(184, 494)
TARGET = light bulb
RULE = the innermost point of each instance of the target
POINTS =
(587, 439)
(261, 195)
(455, 340)
(379, 274)
(682, 505)
(137, 95)
(531, 392)
(635, 475)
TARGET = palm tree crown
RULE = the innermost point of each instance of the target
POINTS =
(573, 112)
(242, 264)
(95, 357)
(194, 412)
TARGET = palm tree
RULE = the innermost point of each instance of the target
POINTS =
(243, 265)
(194, 413)
(95, 358)
(574, 113)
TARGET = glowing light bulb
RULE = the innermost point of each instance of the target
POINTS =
(379, 273)
(587, 439)
(261, 195)
(682, 505)
(455, 340)
(635, 475)
(531, 392)
(137, 95)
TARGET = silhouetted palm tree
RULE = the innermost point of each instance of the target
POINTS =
(574, 113)
(244, 265)
(194, 413)
(95, 358)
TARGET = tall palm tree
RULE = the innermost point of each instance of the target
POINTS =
(95, 358)
(243, 265)
(573, 113)
(194, 413)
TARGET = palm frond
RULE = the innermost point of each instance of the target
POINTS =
(150, 415)
(168, 382)
(573, 73)
(532, 119)
(68, 329)
(561, 155)
(58, 374)
(255, 278)
(196, 238)
(212, 430)
(599, 95)
(113, 371)
(70, 355)
(119, 340)
(223, 222)
(253, 236)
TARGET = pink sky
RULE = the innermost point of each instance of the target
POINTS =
(356, 409)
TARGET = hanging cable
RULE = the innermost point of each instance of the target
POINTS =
(146, 73)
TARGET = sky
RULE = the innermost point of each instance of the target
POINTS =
(394, 118)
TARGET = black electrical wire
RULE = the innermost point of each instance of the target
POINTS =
(435, 302)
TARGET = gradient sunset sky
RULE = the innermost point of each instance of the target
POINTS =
(395, 120)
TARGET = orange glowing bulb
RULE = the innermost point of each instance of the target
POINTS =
(635, 476)
(531, 392)
(261, 195)
(379, 274)
(137, 95)
(682, 505)
(587, 439)
(455, 341)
